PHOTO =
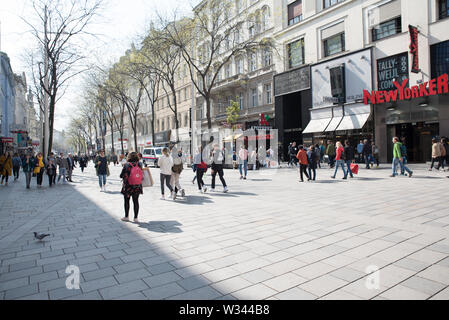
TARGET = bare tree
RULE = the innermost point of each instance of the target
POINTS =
(216, 30)
(58, 24)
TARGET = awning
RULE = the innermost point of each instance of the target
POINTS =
(317, 125)
(333, 124)
(353, 122)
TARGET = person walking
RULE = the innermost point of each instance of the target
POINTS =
(330, 152)
(217, 160)
(132, 184)
(303, 163)
(201, 168)
(367, 153)
(39, 169)
(165, 163)
(313, 158)
(243, 162)
(375, 153)
(83, 163)
(436, 154)
(178, 167)
(322, 152)
(445, 144)
(51, 167)
(443, 153)
(28, 166)
(102, 168)
(16, 164)
(5, 167)
(293, 152)
(349, 158)
(398, 159)
(360, 151)
(71, 163)
(340, 158)
(63, 165)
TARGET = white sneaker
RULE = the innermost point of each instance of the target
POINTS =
(163, 197)
(212, 190)
(104, 188)
(225, 190)
(101, 189)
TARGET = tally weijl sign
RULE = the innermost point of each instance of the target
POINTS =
(433, 87)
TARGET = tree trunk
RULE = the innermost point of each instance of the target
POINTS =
(112, 137)
(209, 120)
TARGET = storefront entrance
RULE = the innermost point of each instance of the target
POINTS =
(418, 139)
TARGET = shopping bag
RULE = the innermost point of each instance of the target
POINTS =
(147, 180)
(355, 168)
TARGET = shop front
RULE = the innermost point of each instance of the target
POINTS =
(338, 112)
(292, 101)
(162, 139)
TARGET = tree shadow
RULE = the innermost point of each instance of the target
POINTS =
(193, 200)
(329, 181)
(261, 180)
(368, 179)
(428, 177)
(161, 226)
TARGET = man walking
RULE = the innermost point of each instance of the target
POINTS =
(398, 159)
(360, 151)
(330, 152)
(293, 152)
(16, 164)
(349, 158)
(102, 168)
(63, 164)
(367, 153)
(217, 160)
(243, 162)
(28, 165)
(71, 163)
(303, 163)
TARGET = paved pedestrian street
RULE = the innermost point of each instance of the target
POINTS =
(270, 237)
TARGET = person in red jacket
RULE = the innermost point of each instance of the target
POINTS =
(303, 163)
(340, 161)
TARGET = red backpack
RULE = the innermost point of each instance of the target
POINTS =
(136, 175)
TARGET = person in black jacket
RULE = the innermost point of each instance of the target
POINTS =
(367, 153)
(349, 157)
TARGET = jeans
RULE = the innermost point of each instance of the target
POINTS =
(16, 171)
(62, 172)
(51, 179)
(135, 202)
(303, 171)
(348, 164)
(243, 165)
(102, 180)
(367, 160)
(340, 163)
(165, 178)
(40, 176)
(199, 178)
(404, 162)
(331, 160)
(217, 168)
(438, 160)
(312, 173)
(396, 161)
(28, 176)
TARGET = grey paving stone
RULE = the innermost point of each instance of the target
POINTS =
(80, 248)
(138, 256)
(423, 285)
(12, 284)
(133, 296)
(93, 285)
(193, 282)
(123, 289)
(118, 247)
(164, 291)
(97, 274)
(411, 264)
(114, 254)
(126, 267)
(132, 275)
(257, 276)
(44, 277)
(94, 295)
(55, 266)
(89, 253)
(161, 268)
(52, 253)
(347, 274)
(204, 293)
(19, 274)
(110, 263)
(37, 296)
(31, 257)
(22, 265)
(61, 293)
(295, 294)
(161, 279)
(156, 260)
(52, 284)
(86, 260)
(64, 257)
(444, 262)
(21, 292)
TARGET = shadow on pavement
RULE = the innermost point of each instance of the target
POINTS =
(162, 226)
(329, 181)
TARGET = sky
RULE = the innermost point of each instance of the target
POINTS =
(121, 23)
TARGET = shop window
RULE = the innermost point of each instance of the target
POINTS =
(387, 29)
(295, 12)
(443, 9)
(334, 44)
(295, 53)
(439, 55)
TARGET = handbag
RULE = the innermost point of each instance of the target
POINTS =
(147, 180)
(355, 168)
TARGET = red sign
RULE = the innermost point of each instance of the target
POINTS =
(263, 120)
(435, 86)
(414, 48)
(7, 140)
(122, 140)
(149, 143)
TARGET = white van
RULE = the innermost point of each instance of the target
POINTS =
(152, 155)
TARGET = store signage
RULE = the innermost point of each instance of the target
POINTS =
(431, 88)
(414, 48)
(7, 140)
(264, 120)
(394, 68)
(292, 81)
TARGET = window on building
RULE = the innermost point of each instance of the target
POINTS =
(241, 101)
(439, 59)
(252, 30)
(227, 71)
(294, 12)
(334, 44)
(254, 97)
(443, 9)
(237, 36)
(387, 29)
(265, 19)
(330, 3)
(268, 94)
(267, 57)
(295, 53)
(239, 65)
(252, 61)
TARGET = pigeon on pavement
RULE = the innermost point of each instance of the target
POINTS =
(40, 236)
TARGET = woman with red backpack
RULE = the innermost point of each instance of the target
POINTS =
(132, 175)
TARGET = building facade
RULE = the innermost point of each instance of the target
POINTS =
(7, 101)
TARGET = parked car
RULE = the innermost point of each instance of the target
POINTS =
(152, 155)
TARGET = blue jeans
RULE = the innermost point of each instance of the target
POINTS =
(404, 162)
(396, 161)
(342, 164)
(102, 180)
(348, 164)
(245, 167)
(62, 173)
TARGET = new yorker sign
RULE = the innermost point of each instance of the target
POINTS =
(436, 86)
